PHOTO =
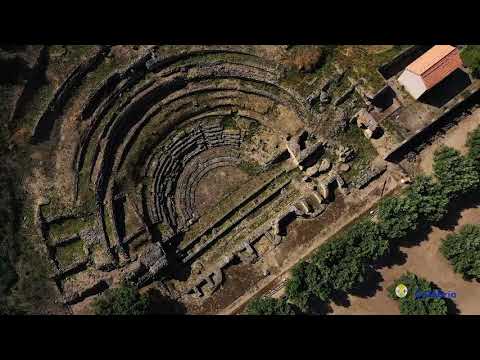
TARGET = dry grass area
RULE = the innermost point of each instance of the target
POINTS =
(216, 186)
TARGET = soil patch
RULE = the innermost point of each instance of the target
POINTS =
(216, 185)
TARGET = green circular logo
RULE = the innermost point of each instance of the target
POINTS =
(401, 291)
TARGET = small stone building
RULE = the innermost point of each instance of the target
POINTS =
(367, 123)
(430, 69)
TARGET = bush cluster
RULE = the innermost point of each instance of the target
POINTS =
(463, 251)
(471, 58)
(269, 306)
(123, 300)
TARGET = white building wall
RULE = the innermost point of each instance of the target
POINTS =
(413, 83)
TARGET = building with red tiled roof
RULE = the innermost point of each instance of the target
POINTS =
(429, 69)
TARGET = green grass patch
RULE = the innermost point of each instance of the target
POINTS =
(364, 150)
(70, 253)
(212, 57)
(69, 227)
(229, 122)
(108, 66)
(250, 167)
(471, 58)
(65, 57)
(364, 64)
(393, 130)
(109, 228)
(43, 95)
(8, 276)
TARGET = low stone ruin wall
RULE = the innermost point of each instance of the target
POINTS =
(44, 125)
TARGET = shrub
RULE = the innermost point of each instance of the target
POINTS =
(410, 305)
(123, 300)
(269, 306)
(6, 308)
(471, 58)
(463, 251)
(473, 144)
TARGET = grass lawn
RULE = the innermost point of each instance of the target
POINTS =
(68, 254)
(364, 150)
(68, 227)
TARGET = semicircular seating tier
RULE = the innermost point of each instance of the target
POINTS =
(146, 127)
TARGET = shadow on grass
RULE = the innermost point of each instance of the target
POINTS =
(370, 286)
(394, 257)
(163, 305)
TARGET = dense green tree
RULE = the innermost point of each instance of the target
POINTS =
(471, 58)
(308, 280)
(317, 281)
(473, 144)
(296, 287)
(457, 174)
(367, 241)
(338, 265)
(349, 273)
(347, 258)
(123, 300)
(410, 304)
(398, 216)
(269, 306)
(428, 198)
(463, 251)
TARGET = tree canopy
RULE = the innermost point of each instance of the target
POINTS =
(398, 216)
(473, 144)
(269, 306)
(471, 58)
(457, 174)
(338, 265)
(426, 195)
(463, 251)
(410, 304)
